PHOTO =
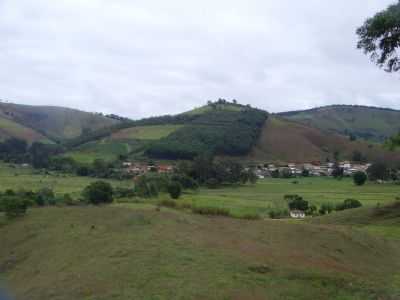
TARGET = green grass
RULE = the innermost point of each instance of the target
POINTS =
(135, 252)
(20, 178)
(269, 194)
(105, 150)
(154, 132)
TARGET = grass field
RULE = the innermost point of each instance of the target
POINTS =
(105, 150)
(20, 178)
(135, 252)
(269, 193)
(154, 132)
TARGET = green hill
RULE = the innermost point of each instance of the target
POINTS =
(287, 141)
(56, 123)
(370, 123)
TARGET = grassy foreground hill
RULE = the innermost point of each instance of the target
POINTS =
(54, 123)
(370, 123)
(136, 252)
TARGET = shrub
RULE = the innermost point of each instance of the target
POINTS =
(174, 189)
(348, 204)
(359, 178)
(211, 211)
(145, 188)
(297, 202)
(14, 206)
(98, 192)
(326, 208)
(44, 196)
(185, 181)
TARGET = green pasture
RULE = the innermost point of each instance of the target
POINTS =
(105, 150)
(269, 194)
(28, 179)
(153, 132)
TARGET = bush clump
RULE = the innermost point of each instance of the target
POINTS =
(14, 206)
(174, 189)
(359, 178)
(98, 192)
(348, 204)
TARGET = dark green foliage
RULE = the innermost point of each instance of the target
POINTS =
(40, 154)
(83, 171)
(296, 202)
(326, 208)
(215, 132)
(378, 171)
(174, 189)
(359, 178)
(98, 192)
(275, 174)
(14, 206)
(348, 204)
(379, 37)
(185, 181)
(211, 211)
(305, 173)
(45, 196)
(144, 187)
(312, 210)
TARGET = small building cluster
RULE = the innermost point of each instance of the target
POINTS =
(311, 169)
(137, 169)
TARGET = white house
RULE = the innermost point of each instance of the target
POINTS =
(297, 214)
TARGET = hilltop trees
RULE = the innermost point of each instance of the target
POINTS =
(379, 37)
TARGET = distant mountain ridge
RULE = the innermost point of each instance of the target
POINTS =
(50, 122)
(221, 127)
(369, 123)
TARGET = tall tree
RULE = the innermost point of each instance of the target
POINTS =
(379, 38)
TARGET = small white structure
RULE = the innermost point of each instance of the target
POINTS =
(297, 214)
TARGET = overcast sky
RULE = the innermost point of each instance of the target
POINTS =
(151, 57)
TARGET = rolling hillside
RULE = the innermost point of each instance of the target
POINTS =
(10, 129)
(56, 123)
(370, 123)
(286, 141)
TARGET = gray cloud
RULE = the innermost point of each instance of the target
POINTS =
(143, 58)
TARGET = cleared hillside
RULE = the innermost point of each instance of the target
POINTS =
(57, 123)
(370, 123)
(11, 129)
(135, 252)
(286, 141)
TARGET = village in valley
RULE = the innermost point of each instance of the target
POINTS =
(273, 170)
